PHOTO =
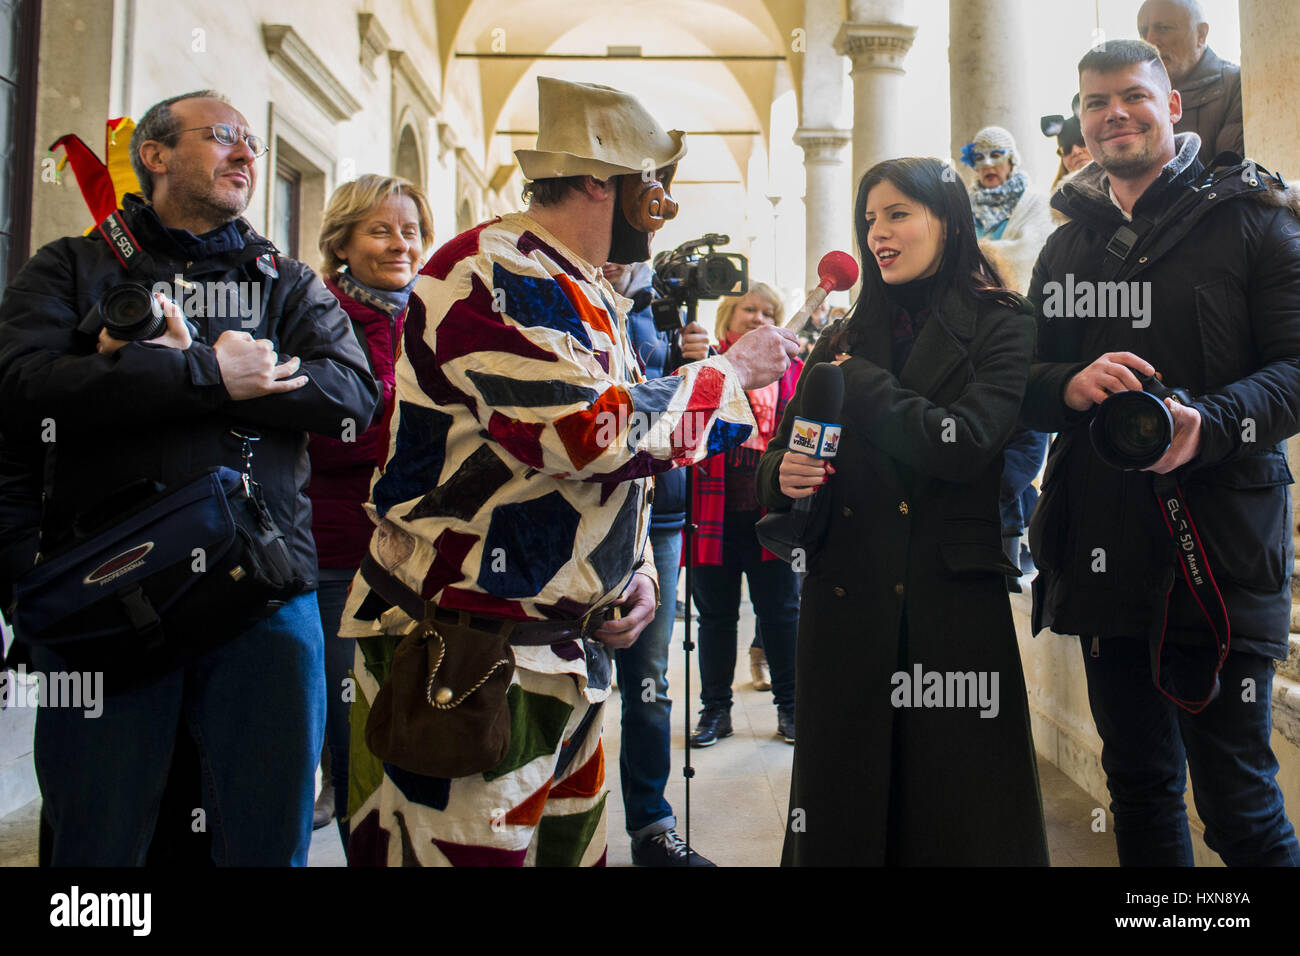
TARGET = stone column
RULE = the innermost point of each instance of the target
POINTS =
(822, 137)
(988, 70)
(828, 211)
(876, 49)
(1270, 35)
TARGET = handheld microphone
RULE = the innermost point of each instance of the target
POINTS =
(837, 272)
(816, 432)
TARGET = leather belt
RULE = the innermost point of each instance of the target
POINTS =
(530, 633)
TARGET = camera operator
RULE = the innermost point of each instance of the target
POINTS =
(1219, 252)
(644, 744)
(92, 413)
(515, 502)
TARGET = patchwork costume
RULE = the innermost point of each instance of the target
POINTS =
(517, 488)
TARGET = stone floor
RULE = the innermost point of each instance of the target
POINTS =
(738, 795)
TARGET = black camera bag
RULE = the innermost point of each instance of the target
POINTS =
(185, 570)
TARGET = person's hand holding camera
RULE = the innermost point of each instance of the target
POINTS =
(1186, 443)
(762, 355)
(177, 335)
(694, 342)
(1110, 373)
(248, 367)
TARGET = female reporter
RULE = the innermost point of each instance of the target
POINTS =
(373, 240)
(914, 742)
(725, 547)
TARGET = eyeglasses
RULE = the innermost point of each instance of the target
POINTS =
(227, 135)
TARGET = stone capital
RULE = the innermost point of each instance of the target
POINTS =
(875, 46)
(822, 146)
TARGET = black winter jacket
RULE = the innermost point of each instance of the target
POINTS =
(1223, 263)
(161, 413)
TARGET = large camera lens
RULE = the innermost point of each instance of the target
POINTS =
(718, 275)
(127, 311)
(1131, 430)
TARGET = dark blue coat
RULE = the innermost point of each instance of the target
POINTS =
(652, 346)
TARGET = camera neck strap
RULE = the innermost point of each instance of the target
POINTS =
(139, 264)
(123, 244)
(1196, 572)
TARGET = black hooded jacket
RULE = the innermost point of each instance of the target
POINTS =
(160, 413)
(1222, 319)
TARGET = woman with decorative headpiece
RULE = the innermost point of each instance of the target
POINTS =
(1012, 221)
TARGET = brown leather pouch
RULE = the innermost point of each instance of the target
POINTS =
(442, 711)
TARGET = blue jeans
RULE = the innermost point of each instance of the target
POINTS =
(1022, 459)
(1149, 742)
(774, 590)
(332, 594)
(255, 708)
(643, 760)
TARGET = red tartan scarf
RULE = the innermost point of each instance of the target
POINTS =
(709, 483)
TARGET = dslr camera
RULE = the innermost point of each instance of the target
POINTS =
(1133, 430)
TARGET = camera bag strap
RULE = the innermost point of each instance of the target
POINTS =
(1121, 244)
(1196, 571)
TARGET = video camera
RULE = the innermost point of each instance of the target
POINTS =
(691, 272)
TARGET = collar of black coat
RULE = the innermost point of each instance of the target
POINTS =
(941, 345)
(1086, 197)
(1177, 208)
(1205, 82)
(159, 240)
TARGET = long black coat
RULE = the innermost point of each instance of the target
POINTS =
(1222, 266)
(912, 573)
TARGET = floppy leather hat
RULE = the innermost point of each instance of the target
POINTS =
(585, 129)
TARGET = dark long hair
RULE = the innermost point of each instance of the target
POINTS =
(938, 188)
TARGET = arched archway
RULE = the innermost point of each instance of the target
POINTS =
(408, 162)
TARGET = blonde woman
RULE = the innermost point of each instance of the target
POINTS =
(725, 547)
(376, 232)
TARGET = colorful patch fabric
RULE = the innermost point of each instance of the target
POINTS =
(521, 417)
(517, 486)
(544, 804)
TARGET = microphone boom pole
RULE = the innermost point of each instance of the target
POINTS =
(837, 271)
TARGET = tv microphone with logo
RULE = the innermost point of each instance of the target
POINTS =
(816, 432)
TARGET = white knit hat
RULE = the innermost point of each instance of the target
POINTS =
(584, 129)
(986, 141)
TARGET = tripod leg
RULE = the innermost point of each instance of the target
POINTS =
(687, 646)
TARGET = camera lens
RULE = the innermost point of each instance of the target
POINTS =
(127, 311)
(1131, 430)
(718, 275)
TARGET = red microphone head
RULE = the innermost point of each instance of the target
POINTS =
(837, 271)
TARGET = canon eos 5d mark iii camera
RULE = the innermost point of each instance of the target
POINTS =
(1133, 430)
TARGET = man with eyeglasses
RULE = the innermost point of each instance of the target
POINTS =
(268, 358)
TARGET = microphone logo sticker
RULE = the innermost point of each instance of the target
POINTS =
(805, 436)
(830, 441)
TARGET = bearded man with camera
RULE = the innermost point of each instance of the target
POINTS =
(115, 404)
(1163, 537)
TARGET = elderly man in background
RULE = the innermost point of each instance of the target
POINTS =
(1210, 87)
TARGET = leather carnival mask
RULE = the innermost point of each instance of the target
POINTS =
(647, 204)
